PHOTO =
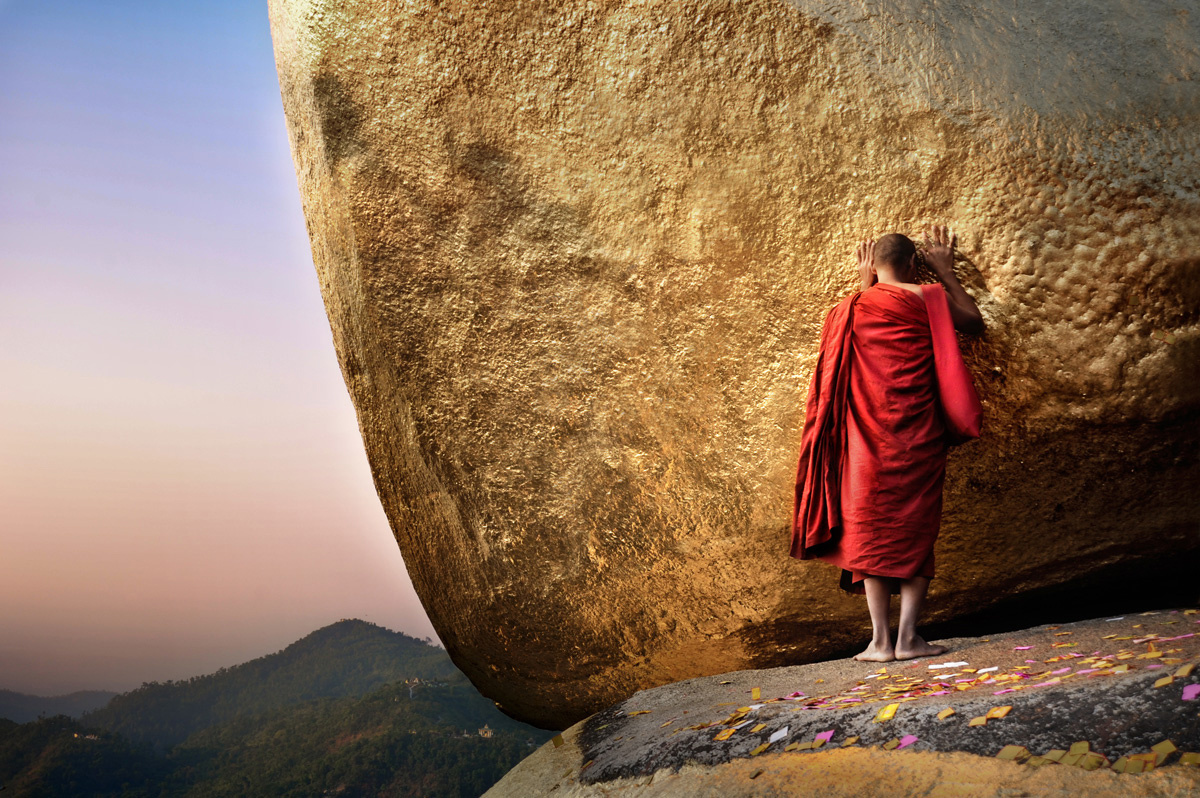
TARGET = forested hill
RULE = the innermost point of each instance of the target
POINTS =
(24, 708)
(346, 659)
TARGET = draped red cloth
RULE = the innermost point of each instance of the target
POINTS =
(873, 451)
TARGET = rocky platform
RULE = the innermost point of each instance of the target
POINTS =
(1109, 706)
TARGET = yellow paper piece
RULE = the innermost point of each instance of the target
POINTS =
(1055, 755)
(1190, 612)
(892, 743)
(849, 741)
(979, 721)
(998, 712)
(557, 740)
(1164, 681)
(804, 746)
(756, 693)
(758, 728)
(792, 747)
(1164, 749)
(725, 735)
(1150, 655)
(1093, 761)
(887, 713)
(743, 709)
(945, 713)
(1060, 634)
(668, 723)
(1190, 759)
(1147, 761)
(817, 743)
(760, 749)
(1081, 747)
(1135, 766)
(1185, 671)
(1071, 760)
(1121, 669)
(1119, 765)
(1013, 752)
(1037, 761)
(727, 681)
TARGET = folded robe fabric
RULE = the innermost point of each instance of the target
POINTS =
(873, 452)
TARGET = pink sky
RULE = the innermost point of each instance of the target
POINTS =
(182, 483)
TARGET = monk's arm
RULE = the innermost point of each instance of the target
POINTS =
(939, 255)
(963, 309)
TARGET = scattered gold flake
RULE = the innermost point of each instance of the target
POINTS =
(1164, 681)
(1081, 747)
(760, 749)
(1013, 752)
(945, 713)
(892, 743)
(1163, 750)
(887, 713)
(758, 728)
(998, 712)
(978, 721)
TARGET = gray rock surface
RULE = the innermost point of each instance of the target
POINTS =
(654, 734)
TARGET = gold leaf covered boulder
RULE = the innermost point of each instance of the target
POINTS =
(576, 257)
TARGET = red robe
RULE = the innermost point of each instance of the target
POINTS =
(873, 452)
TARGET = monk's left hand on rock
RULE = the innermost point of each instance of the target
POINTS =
(866, 263)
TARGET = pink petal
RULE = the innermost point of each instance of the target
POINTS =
(907, 739)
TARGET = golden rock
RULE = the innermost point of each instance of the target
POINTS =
(576, 257)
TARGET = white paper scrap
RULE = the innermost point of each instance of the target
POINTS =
(948, 665)
(779, 735)
(988, 670)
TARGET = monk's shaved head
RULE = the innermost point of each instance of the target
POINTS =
(895, 249)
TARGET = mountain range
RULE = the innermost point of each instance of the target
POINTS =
(351, 709)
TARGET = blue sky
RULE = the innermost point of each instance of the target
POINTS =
(182, 485)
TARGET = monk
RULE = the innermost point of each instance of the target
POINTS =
(873, 454)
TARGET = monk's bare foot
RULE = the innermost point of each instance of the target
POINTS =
(876, 654)
(917, 647)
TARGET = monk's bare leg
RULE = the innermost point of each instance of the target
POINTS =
(908, 643)
(879, 596)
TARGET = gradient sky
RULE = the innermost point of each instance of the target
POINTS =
(182, 483)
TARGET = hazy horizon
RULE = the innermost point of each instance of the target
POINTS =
(182, 482)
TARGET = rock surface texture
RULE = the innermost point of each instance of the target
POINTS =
(1126, 690)
(576, 257)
